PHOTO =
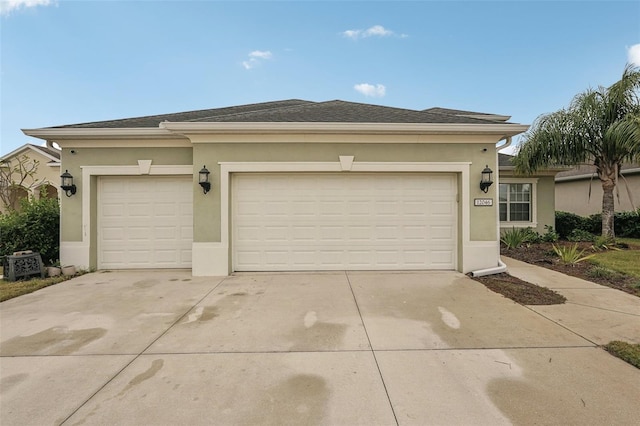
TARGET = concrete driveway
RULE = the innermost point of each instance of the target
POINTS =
(343, 348)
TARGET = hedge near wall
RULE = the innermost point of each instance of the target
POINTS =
(35, 227)
(626, 224)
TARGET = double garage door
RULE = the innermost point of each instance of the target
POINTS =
(286, 221)
(343, 221)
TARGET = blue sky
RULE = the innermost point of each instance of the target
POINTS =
(65, 62)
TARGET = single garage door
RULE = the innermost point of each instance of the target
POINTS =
(145, 222)
(343, 221)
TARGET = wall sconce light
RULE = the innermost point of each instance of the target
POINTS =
(486, 181)
(203, 179)
(67, 183)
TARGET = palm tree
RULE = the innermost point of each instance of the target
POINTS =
(600, 127)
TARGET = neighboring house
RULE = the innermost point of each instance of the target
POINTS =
(573, 187)
(45, 179)
(295, 185)
(526, 201)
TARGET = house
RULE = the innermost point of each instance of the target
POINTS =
(579, 190)
(291, 185)
(40, 174)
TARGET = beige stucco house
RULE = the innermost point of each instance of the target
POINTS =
(573, 187)
(294, 185)
(43, 165)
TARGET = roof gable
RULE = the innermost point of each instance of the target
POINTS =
(52, 154)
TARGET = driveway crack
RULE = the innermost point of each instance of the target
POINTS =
(375, 359)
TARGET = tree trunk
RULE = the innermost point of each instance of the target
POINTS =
(608, 208)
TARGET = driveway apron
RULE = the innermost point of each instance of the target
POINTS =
(334, 348)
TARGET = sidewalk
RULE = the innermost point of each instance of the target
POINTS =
(599, 314)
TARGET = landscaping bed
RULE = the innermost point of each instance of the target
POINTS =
(520, 291)
(542, 254)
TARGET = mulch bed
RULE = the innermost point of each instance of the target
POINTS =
(520, 291)
(541, 254)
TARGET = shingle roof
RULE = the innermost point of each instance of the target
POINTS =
(155, 120)
(52, 152)
(505, 160)
(473, 114)
(296, 110)
(586, 171)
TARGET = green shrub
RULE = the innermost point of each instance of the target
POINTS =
(35, 227)
(533, 236)
(602, 272)
(571, 255)
(515, 237)
(627, 224)
(604, 243)
(593, 224)
(580, 235)
(567, 222)
(551, 236)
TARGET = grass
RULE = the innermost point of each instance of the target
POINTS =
(625, 351)
(11, 289)
(625, 261)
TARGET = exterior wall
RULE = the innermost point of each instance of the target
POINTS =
(466, 156)
(45, 174)
(207, 223)
(543, 202)
(79, 245)
(477, 248)
(546, 204)
(573, 195)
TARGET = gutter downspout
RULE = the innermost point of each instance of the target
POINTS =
(501, 265)
(491, 271)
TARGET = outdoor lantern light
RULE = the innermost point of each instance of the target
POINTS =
(486, 181)
(203, 179)
(67, 183)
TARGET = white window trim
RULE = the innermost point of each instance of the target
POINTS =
(533, 223)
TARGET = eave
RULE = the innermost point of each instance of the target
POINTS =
(201, 128)
(75, 133)
(183, 130)
(594, 175)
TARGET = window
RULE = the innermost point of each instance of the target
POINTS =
(515, 202)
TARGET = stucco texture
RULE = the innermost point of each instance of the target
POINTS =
(206, 208)
(573, 195)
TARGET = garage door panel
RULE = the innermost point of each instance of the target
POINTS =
(145, 222)
(343, 221)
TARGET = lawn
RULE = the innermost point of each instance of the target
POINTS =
(625, 261)
(628, 352)
(11, 289)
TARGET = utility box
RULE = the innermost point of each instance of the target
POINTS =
(25, 264)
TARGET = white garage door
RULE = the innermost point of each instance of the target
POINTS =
(145, 222)
(349, 221)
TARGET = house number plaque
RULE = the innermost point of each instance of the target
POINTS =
(483, 202)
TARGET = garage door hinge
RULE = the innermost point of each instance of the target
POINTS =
(457, 198)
